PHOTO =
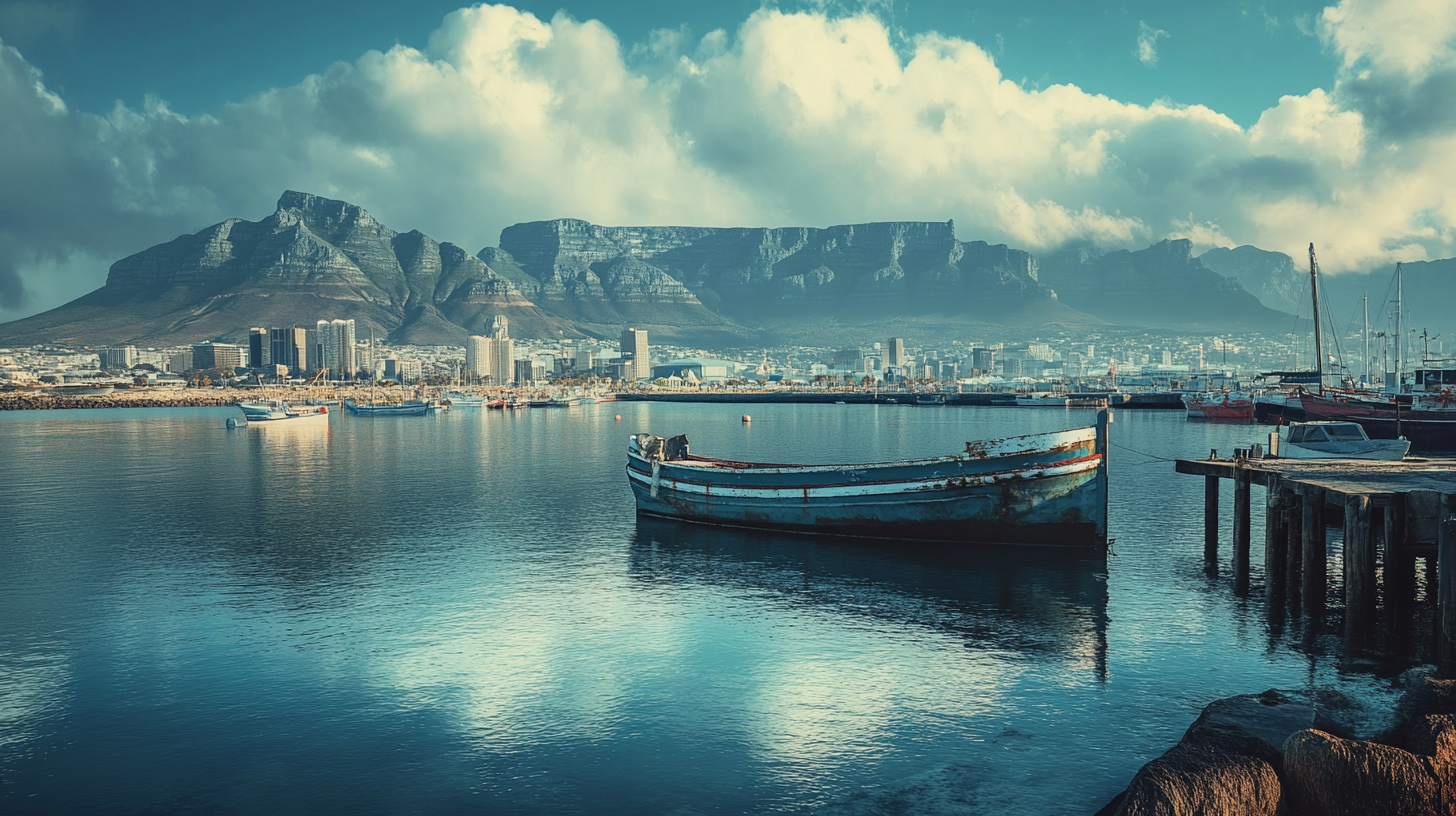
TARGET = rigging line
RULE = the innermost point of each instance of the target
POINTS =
(1142, 453)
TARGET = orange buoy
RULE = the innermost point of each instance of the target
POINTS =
(747, 418)
(619, 417)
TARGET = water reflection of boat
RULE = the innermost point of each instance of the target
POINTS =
(1048, 488)
(991, 597)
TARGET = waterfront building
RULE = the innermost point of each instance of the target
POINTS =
(528, 371)
(502, 353)
(500, 327)
(336, 338)
(983, 360)
(635, 354)
(117, 358)
(894, 353)
(179, 361)
(217, 355)
(288, 347)
(314, 348)
(703, 369)
(477, 356)
(260, 348)
(852, 359)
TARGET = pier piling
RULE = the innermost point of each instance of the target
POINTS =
(1446, 561)
(1399, 566)
(1241, 531)
(1276, 539)
(1359, 569)
(1312, 528)
(1210, 520)
(1294, 550)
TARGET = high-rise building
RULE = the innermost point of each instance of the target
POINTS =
(313, 344)
(983, 360)
(260, 348)
(117, 358)
(894, 352)
(851, 359)
(502, 357)
(500, 327)
(289, 347)
(528, 370)
(180, 361)
(634, 351)
(217, 355)
(477, 356)
(337, 339)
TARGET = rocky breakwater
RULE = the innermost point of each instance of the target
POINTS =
(1315, 753)
(127, 398)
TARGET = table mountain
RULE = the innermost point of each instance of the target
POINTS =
(314, 258)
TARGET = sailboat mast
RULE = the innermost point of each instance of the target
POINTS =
(1365, 307)
(1319, 357)
(1399, 327)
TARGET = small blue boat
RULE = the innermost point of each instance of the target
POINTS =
(411, 408)
(1048, 488)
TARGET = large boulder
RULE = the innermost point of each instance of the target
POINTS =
(1228, 762)
(1331, 776)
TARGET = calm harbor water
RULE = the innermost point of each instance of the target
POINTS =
(461, 614)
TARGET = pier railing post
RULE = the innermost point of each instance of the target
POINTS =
(1313, 546)
(1241, 529)
(1210, 520)
(1276, 538)
(1359, 569)
(1446, 571)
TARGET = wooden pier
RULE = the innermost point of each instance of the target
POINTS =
(1393, 514)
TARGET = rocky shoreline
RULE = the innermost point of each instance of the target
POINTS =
(1289, 753)
(128, 398)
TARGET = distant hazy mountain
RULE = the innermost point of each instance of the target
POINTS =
(315, 258)
(1162, 286)
(1430, 300)
(1270, 276)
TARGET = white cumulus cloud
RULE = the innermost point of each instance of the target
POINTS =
(792, 119)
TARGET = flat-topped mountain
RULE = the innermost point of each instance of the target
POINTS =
(315, 258)
(762, 274)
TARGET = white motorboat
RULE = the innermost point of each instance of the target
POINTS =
(1338, 440)
(259, 414)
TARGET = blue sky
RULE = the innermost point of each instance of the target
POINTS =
(1236, 57)
(1034, 124)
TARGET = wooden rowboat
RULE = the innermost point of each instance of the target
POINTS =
(1048, 488)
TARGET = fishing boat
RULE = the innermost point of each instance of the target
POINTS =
(1221, 405)
(1338, 440)
(496, 404)
(1045, 400)
(410, 408)
(1048, 488)
(929, 399)
(259, 414)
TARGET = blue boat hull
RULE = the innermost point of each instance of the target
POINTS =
(1044, 489)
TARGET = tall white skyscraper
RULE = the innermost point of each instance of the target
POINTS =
(336, 337)
(500, 327)
(477, 356)
(502, 360)
(894, 354)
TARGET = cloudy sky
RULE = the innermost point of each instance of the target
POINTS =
(124, 124)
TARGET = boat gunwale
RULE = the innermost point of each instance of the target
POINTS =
(983, 454)
(1064, 467)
